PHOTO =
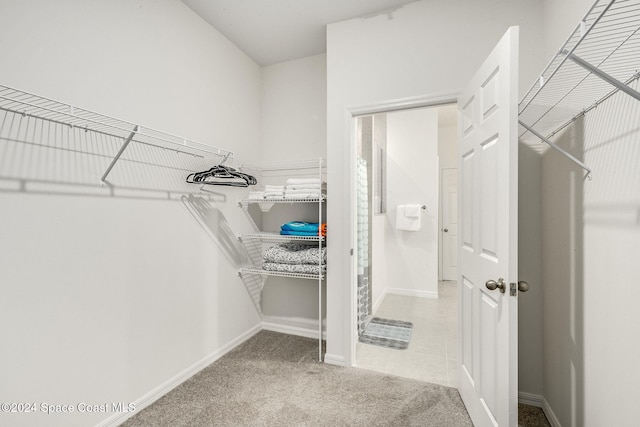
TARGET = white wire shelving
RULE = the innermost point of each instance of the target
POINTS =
(31, 105)
(266, 204)
(277, 173)
(308, 167)
(600, 58)
(282, 273)
(268, 237)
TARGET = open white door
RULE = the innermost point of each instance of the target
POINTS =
(488, 241)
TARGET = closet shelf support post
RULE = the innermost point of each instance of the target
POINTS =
(604, 76)
(557, 148)
(117, 157)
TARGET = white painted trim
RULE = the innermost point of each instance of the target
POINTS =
(378, 302)
(405, 104)
(299, 327)
(530, 399)
(440, 193)
(553, 420)
(402, 292)
(167, 386)
(412, 293)
(351, 127)
(332, 359)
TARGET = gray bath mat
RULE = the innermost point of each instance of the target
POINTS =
(387, 333)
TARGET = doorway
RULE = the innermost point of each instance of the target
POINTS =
(448, 249)
(402, 155)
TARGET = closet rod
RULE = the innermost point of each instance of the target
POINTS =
(285, 166)
(604, 76)
(557, 148)
(594, 105)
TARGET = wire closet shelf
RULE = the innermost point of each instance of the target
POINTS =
(600, 58)
(276, 238)
(315, 168)
(276, 173)
(36, 106)
(282, 273)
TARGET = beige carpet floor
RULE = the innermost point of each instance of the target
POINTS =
(531, 416)
(275, 380)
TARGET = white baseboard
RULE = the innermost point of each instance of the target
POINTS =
(292, 330)
(293, 326)
(411, 293)
(539, 401)
(305, 328)
(376, 304)
(530, 399)
(553, 420)
(172, 383)
(332, 359)
(402, 292)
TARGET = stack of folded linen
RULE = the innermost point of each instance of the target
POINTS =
(274, 192)
(295, 258)
(256, 195)
(300, 228)
(304, 188)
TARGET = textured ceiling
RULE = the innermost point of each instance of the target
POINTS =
(275, 31)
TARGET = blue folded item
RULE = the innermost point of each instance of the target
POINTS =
(298, 233)
(305, 227)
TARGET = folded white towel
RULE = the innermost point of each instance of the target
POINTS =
(273, 193)
(305, 186)
(301, 195)
(275, 197)
(303, 191)
(412, 211)
(269, 187)
(256, 195)
(292, 181)
(404, 222)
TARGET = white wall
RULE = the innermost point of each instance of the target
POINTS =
(294, 109)
(448, 147)
(411, 58)
(530, 341)
(293, 125)
(106, 297)
(611, 215)
(590, 262)
(411, 257)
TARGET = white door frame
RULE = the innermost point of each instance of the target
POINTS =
(350, 115)
(441, 224)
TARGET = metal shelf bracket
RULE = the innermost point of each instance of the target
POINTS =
(117, 157)
(557, 148)
(604, 76)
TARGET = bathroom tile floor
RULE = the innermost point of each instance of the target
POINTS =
(431, 355)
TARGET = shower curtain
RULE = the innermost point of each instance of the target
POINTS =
(363, 244)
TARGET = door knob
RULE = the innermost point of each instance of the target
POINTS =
(492, 285)
(523, 286)
(445, 230)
